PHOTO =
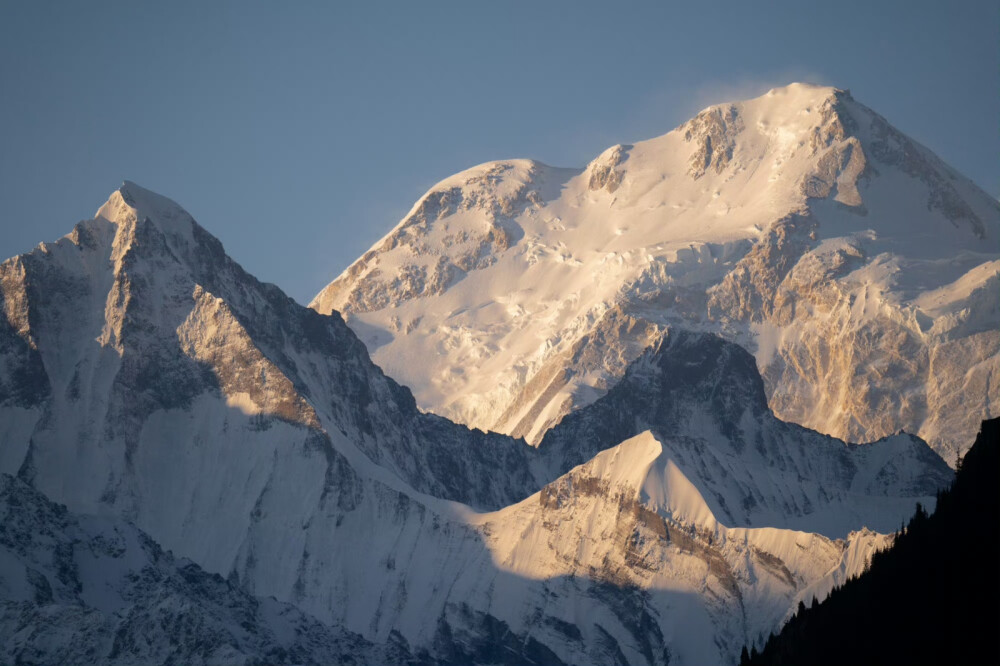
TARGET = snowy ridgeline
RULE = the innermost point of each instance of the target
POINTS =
(861, 271)
(147, 377)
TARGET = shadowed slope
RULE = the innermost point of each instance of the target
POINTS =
(933, 597)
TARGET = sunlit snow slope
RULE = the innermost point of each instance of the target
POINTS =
(862, 272)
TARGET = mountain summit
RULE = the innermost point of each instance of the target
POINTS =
(861, 271)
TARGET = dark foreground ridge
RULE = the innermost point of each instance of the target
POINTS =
(933, 598)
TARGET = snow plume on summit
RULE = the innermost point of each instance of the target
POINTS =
(146, 377)
(861, 271)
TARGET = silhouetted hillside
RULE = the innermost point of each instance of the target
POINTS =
(933, 598)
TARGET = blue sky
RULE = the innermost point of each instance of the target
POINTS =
(299, 133)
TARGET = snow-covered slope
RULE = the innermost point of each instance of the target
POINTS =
(146, 376)
(87, 590)
(862, 272)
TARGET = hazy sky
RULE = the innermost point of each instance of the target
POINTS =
(299, 133)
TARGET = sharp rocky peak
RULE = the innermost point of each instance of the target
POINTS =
(131, 202)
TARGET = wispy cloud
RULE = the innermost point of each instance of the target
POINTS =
(718, 92)
(661, 110)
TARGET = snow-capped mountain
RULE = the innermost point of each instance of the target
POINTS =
(861, 271)
(145, 376)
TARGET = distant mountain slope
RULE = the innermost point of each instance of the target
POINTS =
(83, 589)
(931, 598)
(144, 375)
(862, 272)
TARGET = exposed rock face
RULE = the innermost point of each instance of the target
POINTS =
(714, 132)
(605, 173)
(749, 291)
(153, 379)
(598, 357)
(850, 260)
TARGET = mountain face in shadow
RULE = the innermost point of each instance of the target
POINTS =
(87, 589)
(932, 598)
